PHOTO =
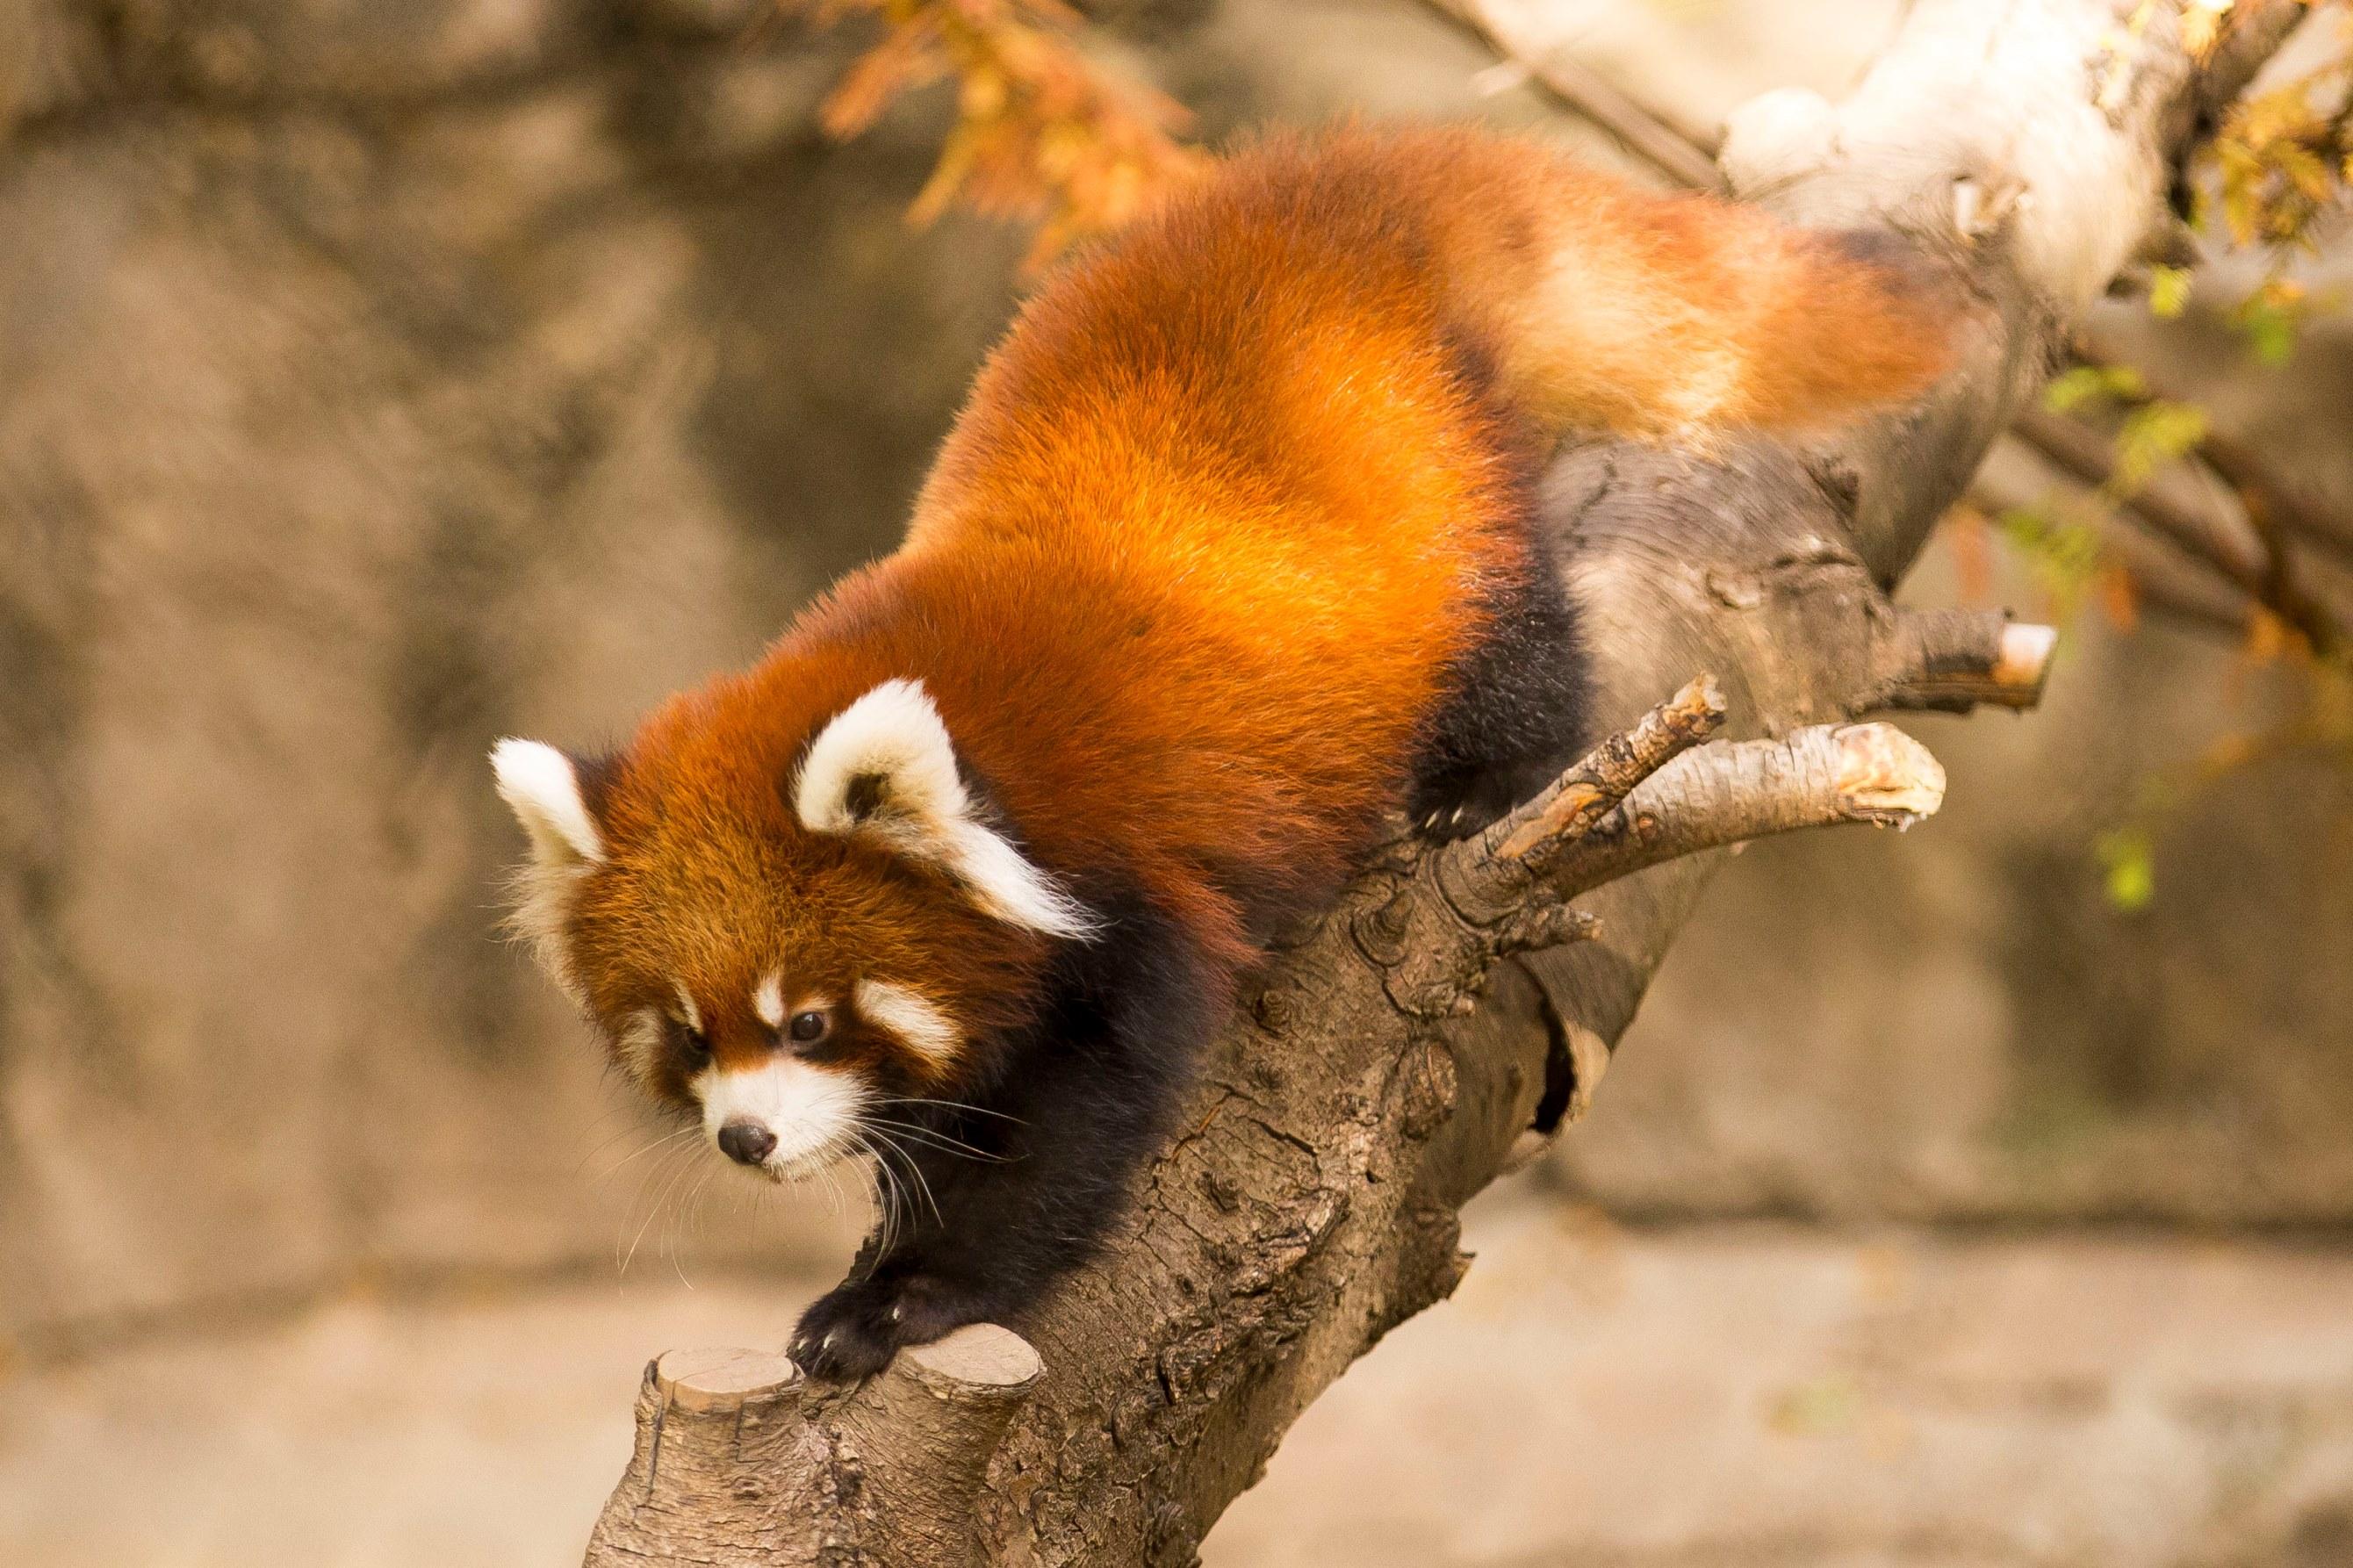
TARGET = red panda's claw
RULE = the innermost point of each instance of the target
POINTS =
(854, 1330)
(845, 1353)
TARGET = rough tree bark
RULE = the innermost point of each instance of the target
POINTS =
(1359, 1098)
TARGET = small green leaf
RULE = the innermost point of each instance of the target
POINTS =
(2083, 383)
(2129, 863)
(2273, 317)
(1826, 1407)
(2153, 435)
(2168, 290)
(2063, 553)
(2271, 331)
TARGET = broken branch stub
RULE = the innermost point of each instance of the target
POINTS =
(760, 1468)
(1956, 660)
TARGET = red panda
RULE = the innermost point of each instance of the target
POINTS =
(1231, 553)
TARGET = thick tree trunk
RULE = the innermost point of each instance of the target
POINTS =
(1359, 1098)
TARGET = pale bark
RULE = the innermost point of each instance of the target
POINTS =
(2253, 545)
(1414, 1043)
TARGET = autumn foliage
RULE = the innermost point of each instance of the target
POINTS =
(1043, 132)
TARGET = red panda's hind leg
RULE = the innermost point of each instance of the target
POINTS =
(1516, 710)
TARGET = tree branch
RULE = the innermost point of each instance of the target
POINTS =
(1726, 794)
(1680, 154)
(730, 1442)
(2253, 555)
(2289, 505)
(1308, 1201)
(2165, 584)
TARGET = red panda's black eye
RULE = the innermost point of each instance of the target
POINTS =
(806, 1027)
(697, 1044)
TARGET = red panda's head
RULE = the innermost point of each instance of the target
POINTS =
(783, 945)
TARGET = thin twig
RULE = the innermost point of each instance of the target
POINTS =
(1732, 791)
(1680, 154)
(2289, 505)
(2260, 565)
(1579, 798)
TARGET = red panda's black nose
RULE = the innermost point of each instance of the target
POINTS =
(746, 1143)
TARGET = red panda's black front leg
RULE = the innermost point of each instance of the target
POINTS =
(998, 1197)
(990, 1211)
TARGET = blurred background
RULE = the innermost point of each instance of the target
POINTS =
(378, 379)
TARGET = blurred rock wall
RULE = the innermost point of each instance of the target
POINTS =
(376, 380)
(379, 379)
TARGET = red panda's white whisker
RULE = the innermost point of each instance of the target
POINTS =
(923, 1183)
(890, 1190)
(690, 1216)
(612, 1125)
(640, 1153)
(889, 1193)
(653, 1173)
(678, 1171)
(933, 1137)
(660, 1179)
(833, 1194)
(886, 1204)
(879, 1141)
(951, 1105)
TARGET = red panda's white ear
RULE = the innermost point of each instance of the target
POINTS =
(542, 787)
(885, 768)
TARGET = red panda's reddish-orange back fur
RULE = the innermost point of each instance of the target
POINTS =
(1228, 516)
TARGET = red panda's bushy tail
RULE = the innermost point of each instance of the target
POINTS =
(1666, 316)
(1657, 314)
(1846, 321)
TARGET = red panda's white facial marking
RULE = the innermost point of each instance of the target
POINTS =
(885, 768)
(768, 1002)
(915, 1018)
(638, 1042)
(784, 1118)
(539, 784)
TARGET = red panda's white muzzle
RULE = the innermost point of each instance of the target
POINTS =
(784, 1118)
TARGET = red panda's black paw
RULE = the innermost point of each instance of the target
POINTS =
(847, 1333)
(854, 1330)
